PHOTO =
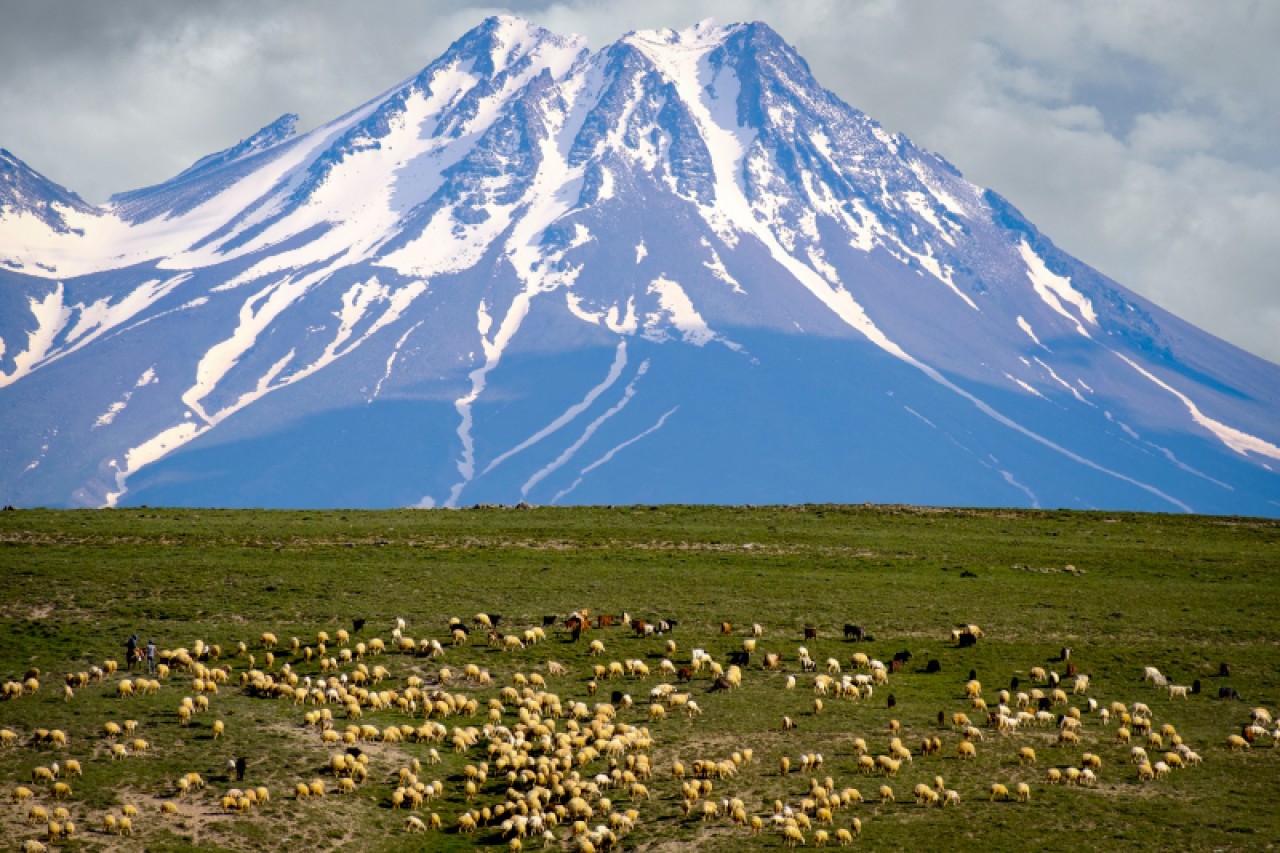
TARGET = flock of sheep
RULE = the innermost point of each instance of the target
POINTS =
(565, 755)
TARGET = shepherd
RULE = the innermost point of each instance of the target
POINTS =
(131, 651)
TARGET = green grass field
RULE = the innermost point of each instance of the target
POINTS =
(1123, 591)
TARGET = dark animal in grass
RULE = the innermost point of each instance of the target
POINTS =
(895, 665)
(494, 619)
(548, 620)
(1228, 693)
(604, 620)
(684, 673)
(854, 632)
(357, 625)
(942, 718)
(967, 639)
(720, 683)
(934, 665)
(1195, 687)
(892, 700)
(903, 656)
(740, 658)
(355, 752)
(810, 632)
(1224, 670)
(236, 767)
(1071, 670)
(1045, 704)
(973, 675)
(615, 698)
(1013, 683)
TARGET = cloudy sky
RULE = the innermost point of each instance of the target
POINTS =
(1142, 136)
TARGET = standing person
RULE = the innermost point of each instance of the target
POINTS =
(130, 651)
(151, 657)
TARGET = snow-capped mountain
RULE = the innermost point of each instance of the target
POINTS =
(673, 270)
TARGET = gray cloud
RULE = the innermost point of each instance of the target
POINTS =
(1139, 136)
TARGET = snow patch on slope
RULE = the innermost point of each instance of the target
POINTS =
(628, 393)
(1056, 289)
(147, 378)
(50, 315)
(612, 452)
(1239, 441)
(677, 308)
(615, 371)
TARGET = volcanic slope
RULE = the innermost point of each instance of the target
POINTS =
(673, 270)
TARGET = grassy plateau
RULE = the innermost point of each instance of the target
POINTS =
(1192, 596)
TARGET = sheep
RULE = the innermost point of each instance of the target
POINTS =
(61, 791)
(1178, 691)
(1236, 743)
(886, 795)
(1023, 792)
(1026, 755)
(999, 792)
(966, 751)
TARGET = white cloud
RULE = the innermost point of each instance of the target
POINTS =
(1140, 136)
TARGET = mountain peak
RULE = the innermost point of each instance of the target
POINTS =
(501, 40)
(24, 190)
(281, 130)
